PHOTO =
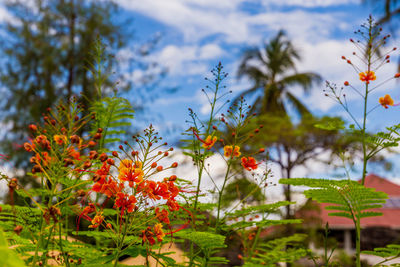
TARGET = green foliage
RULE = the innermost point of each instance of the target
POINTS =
(349, 198)
(331, 124)
(209, 244)
(242, 189)
(8, 257)
(390, 252)
(112, 115)
(262, 208)
(60, 35)
(10, 216)
(285, 249)
(205, 240)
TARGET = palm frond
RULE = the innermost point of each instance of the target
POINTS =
(300, 108)
(305, 80)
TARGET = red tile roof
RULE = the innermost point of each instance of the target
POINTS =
(390, 217)
(382, 184)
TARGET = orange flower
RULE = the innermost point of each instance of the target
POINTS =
(109, 188)
(249, 163)
(367, 76)
(130, 172)
(386, 101)
(43, 142)
(228, 151)
(209, 142)
(60, 139)
(97, 220)
(29, 147)
(73, 153)
(162, 216)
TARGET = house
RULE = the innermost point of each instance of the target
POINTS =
(376, 231)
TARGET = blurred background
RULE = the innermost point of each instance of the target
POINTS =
(278, 55)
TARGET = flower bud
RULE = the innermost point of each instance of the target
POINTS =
(32, 127)
(93, 154)
(87, 165)
(18, 229)
(92, 143)
(97, 136)
(103, 157)
(74, 139)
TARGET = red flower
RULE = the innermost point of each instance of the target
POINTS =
(125, 202)
(148, 236)
(162, 216)
(172, 205)
(249, 163)
(109, 188)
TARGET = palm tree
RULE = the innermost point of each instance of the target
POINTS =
(272, 71)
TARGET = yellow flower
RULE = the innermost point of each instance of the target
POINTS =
(97, 220)
(209, 142)
(230, 151)
(386, 101)
(367, 76)
(159, 232)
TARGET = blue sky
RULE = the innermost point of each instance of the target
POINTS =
(197, 34)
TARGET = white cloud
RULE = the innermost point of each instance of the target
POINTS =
(188, 59)
(310, 3)
(195, 19)
(5, 16)
(199, 19)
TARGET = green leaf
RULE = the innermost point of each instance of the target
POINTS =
(350, 198)
(331, 124)
(8, 257)
(204, 240)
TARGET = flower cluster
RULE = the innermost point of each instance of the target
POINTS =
(58, 142)
(131, 187)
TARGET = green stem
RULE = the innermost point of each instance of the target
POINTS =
(121, 242)
(358, 243)
(220, 196)
(61, 246)
(253, 247)
(40, 240)
(364, 145)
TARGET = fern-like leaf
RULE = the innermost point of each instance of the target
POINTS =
(112, 115)
(351, 199)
